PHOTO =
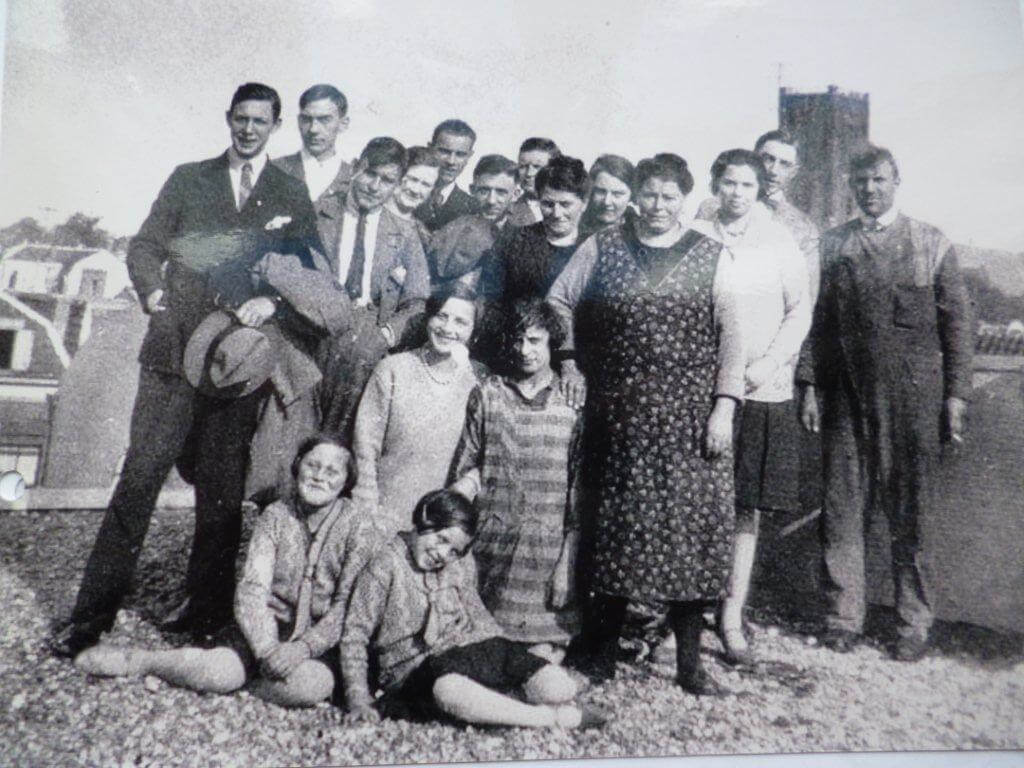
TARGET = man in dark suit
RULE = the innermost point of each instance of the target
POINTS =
(323, 114)
(380, 267)
(453, 142)
(209, 225)
(889, 354)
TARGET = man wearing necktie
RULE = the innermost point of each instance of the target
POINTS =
(889, 354)
(209, 225)
(452, 142)
(381, 266)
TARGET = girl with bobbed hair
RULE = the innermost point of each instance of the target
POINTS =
(664, 336)
(301, 565)
(612, 180)
(411, 412)
(416, 617)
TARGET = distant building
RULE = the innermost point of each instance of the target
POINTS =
(33, 358)
(89, 273)
(830, 127)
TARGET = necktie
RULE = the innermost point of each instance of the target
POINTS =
(436, 202)
(354, 281)
(245, 185)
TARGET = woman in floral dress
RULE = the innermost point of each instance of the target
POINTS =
(659, 411)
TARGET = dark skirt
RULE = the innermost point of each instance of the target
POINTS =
(767, 449)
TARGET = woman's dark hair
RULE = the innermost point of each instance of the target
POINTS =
(422, 156)
(739, 157)
(668, 167)
(322, 438)
(566, 174)
(455, 290)
(442, 509)
(617, 166)
(534, 313)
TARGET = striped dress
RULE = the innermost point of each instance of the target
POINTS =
(522, 456)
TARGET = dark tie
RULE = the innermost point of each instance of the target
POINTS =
(436, 202)
(245, 185)
(354, 281)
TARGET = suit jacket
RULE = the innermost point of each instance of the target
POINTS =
(458, 250)
(199, 248)
(329, 206)
(459, 203)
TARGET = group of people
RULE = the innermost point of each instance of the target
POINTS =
(481, 425)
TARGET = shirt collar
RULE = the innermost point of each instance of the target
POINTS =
(235, 162)
(540, 397)
(333, 159)
(563, 242)
(881, 222)
(445, 192)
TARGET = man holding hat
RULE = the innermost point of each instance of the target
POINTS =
(193, 255)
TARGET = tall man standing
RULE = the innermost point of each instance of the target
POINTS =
(211, 221)
(453, 142)
(889, 353)
(323, 115)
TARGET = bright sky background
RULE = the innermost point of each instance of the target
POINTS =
(101, 99)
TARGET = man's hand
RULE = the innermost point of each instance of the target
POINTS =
(718, 437)
(759, 372)
(573, 386)
(256, 311)
(361, 713)
(155, 302)
(809, 415)
(956, 409)
(283, 660)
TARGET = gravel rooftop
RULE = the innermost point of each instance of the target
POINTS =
(967, 694)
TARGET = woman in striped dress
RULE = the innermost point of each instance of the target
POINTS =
(518, 458)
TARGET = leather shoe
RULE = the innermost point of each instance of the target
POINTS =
(71, 640)
(910, 648)
(840, 640)
(700, 683)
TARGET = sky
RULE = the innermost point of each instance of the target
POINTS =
(101, 100)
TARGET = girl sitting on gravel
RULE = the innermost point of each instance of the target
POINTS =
(417, 610)
(302, 561)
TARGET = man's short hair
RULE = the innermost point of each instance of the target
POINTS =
(566, 174)
(872, 156)
(540, 144)
(324, 91)
(739, 157)
(257, 92)
(617, 166)
(453, 127)
(781, 135)
(493, 165)
(384, 150)
(423, 156)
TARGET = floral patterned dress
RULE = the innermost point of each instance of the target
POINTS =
(664, 517)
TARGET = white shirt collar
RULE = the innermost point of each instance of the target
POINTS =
(258, 163)
(332, 159)
(887, 218)
(569, 239)
(319, 174)
(446, 192)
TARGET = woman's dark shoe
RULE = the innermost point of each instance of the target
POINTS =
(700, 683)
(71, 640)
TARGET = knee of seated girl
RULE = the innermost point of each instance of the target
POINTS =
(550, 685)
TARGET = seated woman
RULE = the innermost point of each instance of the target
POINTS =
(411, 413)
(416, 610)
(302, 561)
(518, 458)
(417, 183)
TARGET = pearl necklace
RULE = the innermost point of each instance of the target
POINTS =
(444, 381)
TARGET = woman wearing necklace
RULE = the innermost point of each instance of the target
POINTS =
(417, 183)
(769, 278)
(411, 412)
(659, 415)
(518, 458)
